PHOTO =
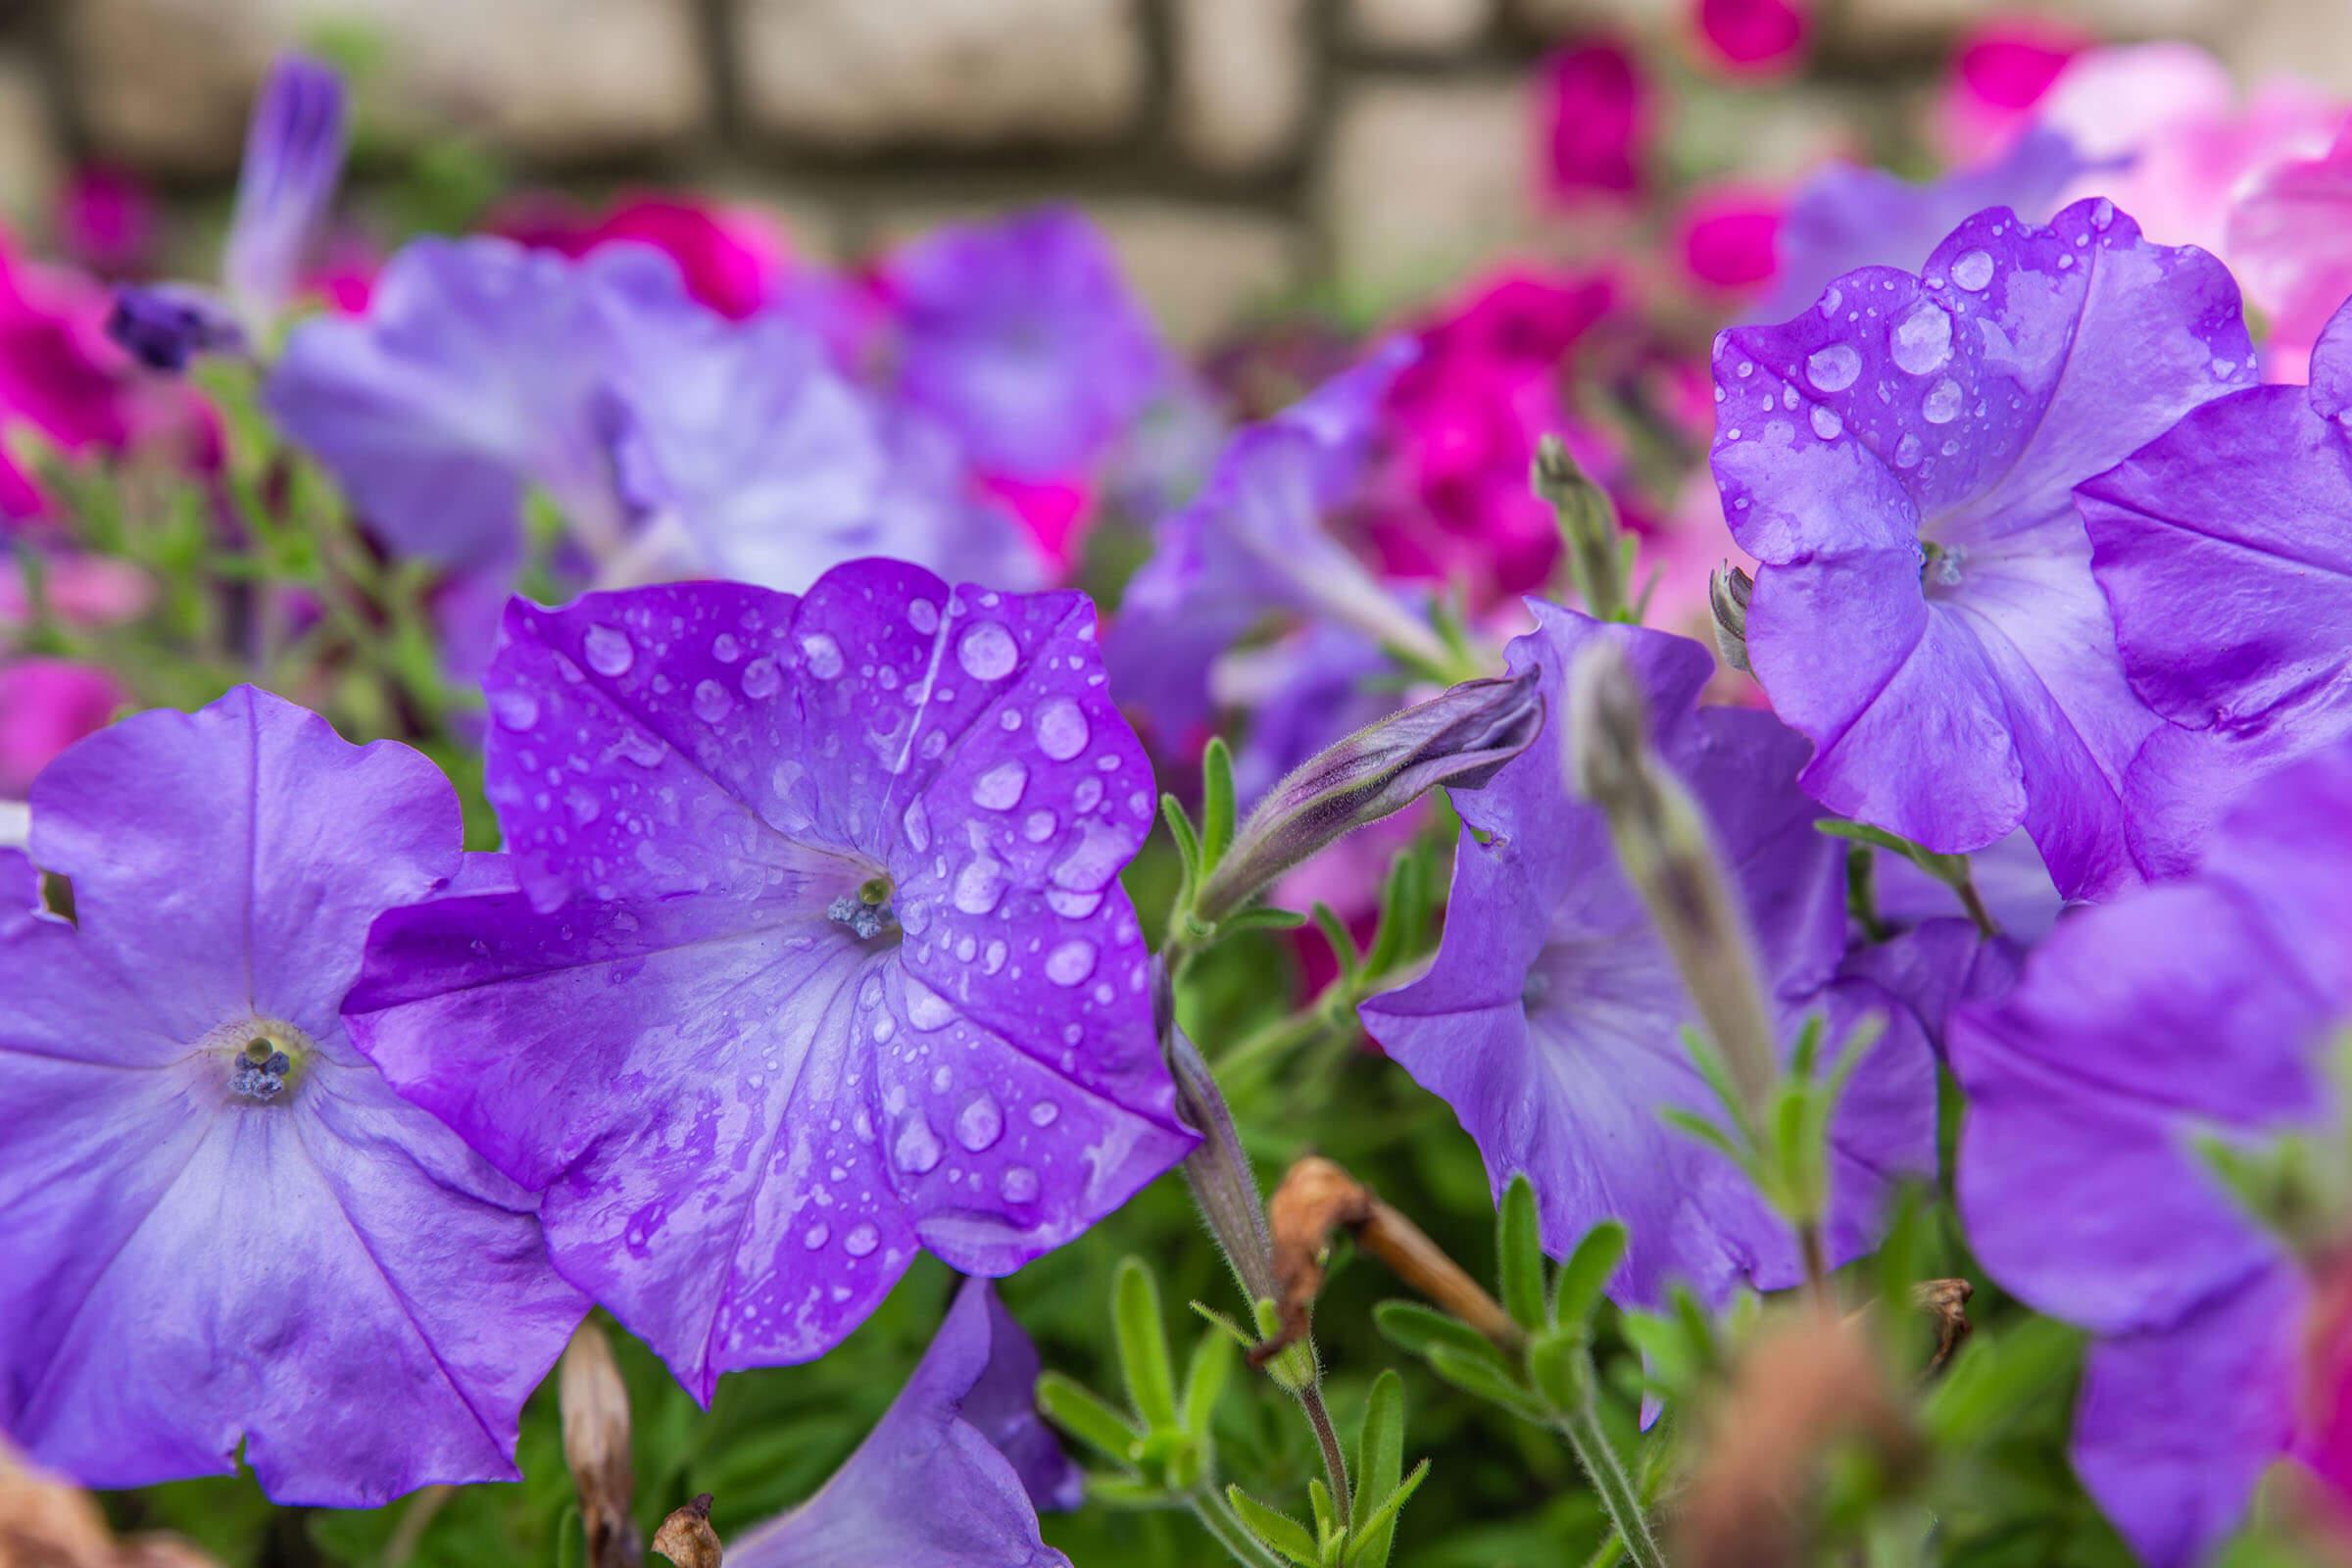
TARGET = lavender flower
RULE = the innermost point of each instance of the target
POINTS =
(223, 1226)
(1021, 337)
(816, 954)
(1253, 542)
(2225, 547)
(953, 1475)
(1901, 460)
(1551, 1018)
(293, 162)
(2198, 1007)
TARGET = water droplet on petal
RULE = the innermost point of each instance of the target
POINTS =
(514, 708)
(986, 650)
(712, 702)
(980, 885)
(1070, 962)
(924, 616)
(1973, 270)
(980, 1123)
(916, 1148)
(761, 680)
(1019, 1185)
(1061, 729)
(1941, 405)
(1000, 789)
(1906, 451)
(1836, 368)
(1044, 1113)
(824, 655)
(609, 649)
(1825, 423)
(725, 649)
(862, 1240)
(1922, 341)
(816, 1235)
(926, 1009)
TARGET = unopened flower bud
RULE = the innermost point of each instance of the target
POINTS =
(1593, 544)
(1224, 1187)
(164, 325)
(1729, 589)
(686, 1537)
(1670, 858)
(1459, 739)
(595, 1404)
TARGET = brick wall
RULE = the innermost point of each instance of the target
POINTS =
(1234, 149)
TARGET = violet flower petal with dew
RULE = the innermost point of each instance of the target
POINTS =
(1551, 1020)
(953, 1475)
(225, 1230)
(1901, 460)
(2202, 1007)
(818, 955)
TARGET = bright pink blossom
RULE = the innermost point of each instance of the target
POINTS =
(1754, 36)
(2000, 74)
(46, 705)
(1596, 120)
(106, 221)
(2290, 241)
(730, 257)
(1730, 235)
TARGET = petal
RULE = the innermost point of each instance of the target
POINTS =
(952, 1476)
(2176, 1426)
(260, 906)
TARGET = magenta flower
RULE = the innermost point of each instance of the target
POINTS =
(1754, 36)
(224, 1228)
(2290, 241)
(46, 705)
(2197, 1009)
(1551, 1018)
(1023, 339)
(732, 259)
(2001, 71)
(1596, 120)
(1901, 460)
(953, 1475)
(2224, 548)
(816, 953)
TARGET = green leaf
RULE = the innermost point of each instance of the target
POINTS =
(1205, 1379)
(1586, 1274)
(1419, 1328)
(1559, 1366)
(1085, 1416)
(1378, 1460)
(1275, 1527)
(1232, 1330)
(1143, 1345)
(1188, 843)
(1705, 1131)
(1519, 1243)
(1342, 941)
(1718, 1074)
(1377, 1530)
(1260, 917)
(1217, 802)
(1318, 1499)
(1482, 1377)
(1401, 912)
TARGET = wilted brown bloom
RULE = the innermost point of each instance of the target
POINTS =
(686, 1537)
(49, 1523)
(596, 1446)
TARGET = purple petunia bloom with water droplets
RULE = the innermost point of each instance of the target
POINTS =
(953, 1475)
(1022, 338)
(222, 1227)
(1901, 460)
(1551, 1020)
(2202, 1007)
(2225, 547)
(816, 954)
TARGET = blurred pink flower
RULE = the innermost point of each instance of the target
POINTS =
(61, 375)
(46, 705)
(2173, 110)
(730, 257)
(1596, 120)
(1754, 36)
(106, 221)
(1729, 237)
(1464, 421)
(2001, 70)
(2290, 241)
(1053, 513)
(81, 590)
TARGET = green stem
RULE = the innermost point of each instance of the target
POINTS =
(1216, 1516)
(1974, 903)
(1615, 1489)
(1335, 1462)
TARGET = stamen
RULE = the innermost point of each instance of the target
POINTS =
(865, 918)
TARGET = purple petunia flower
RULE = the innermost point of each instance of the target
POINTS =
(818, 952)
(953, 1475)
(1901, 460)
(293, 162)
(1551, 1020)
(1847, 218)
(223, 1226)
(1253, 542)
(2225, 547)
(2197, 1008)
(1021, 337)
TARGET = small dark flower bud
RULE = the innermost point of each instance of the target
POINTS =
(165, 328)
(1592, 543)
(1459, 739)
(1729, 590)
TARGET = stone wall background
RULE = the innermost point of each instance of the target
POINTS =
(1235, 150)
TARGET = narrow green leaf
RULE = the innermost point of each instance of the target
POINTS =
(1519, 1243)
(1085, 1416)
(1318, 1499)
(1379, 1461)
(1340, 940)
(1261, 917)
(1217, 802)
(1188, 842)
(1125, 1492)
(1143, 1345)
(1205, 1379)
(1705, 1131)
(1232, 1330)
(1586, 1275)
(1711, 1066)
(1807, 1052)
(1482, 1377)
(1376, 1531)
(1414, 1327)
(1275, 1527)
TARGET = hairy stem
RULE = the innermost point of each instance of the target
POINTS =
(1216, 1516)
(1335, 1462)
(1615, 1489)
